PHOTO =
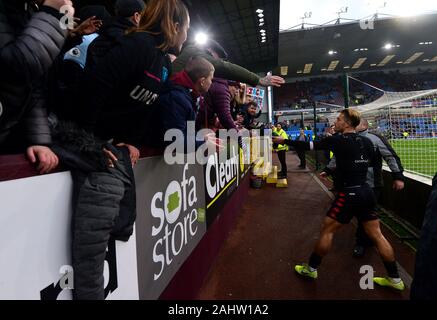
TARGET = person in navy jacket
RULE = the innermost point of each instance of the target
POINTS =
(178, 102)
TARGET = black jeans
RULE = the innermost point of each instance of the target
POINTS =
(281, 157)
(301, 155)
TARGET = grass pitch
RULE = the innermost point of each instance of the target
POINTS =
(417, 155)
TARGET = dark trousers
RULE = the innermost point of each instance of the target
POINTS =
(104, 206)
(301, 155)
(362, 239)
(424, 286)
(281, 157)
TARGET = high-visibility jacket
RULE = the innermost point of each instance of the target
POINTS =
(283, 134)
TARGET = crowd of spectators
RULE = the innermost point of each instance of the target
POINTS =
(89, 93)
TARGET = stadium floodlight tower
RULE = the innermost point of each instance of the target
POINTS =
(339, 13)
(306, 15)
(270, 100)
(346, 90)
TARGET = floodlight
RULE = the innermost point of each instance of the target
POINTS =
(201, 38)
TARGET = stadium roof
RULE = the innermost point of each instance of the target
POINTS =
(236, 26)
(310, 13)
(392, 43)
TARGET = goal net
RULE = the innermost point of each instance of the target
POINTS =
(409, 121)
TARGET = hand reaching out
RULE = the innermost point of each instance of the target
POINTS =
(275, 81)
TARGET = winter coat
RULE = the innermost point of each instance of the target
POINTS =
(217, 105)
(177, 106)
(122, 90)
(29, 42)
(109, 37)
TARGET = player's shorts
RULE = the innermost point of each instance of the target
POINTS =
(358, 201)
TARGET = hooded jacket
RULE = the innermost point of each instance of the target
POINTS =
(122, 90)
(109, 37)
(29, 42)
(176, 106)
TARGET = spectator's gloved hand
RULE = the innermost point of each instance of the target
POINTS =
(44, 157)
(275, 81)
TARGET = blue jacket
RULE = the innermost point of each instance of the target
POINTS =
(176, 106)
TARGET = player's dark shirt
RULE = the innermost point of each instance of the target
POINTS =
(354, 155)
